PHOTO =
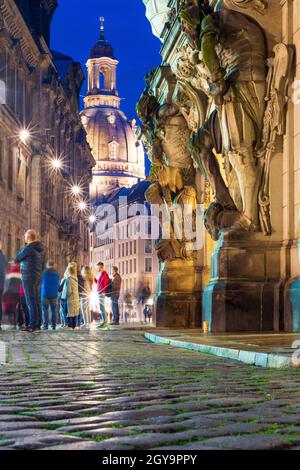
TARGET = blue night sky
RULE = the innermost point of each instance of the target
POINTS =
(75, 29)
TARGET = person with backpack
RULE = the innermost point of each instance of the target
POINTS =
(102, 285)
(49, 293)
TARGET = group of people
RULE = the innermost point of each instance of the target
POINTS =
(41, 291)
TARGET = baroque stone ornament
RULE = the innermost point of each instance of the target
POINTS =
(166, 135)
(274, 123)
(226, 59)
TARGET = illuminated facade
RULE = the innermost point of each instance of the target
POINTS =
(39, 91)
(234, 289)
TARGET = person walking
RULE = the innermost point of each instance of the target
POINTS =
(49, 294)
(80, 280)
(70, 297)
(31, 258)
(102, 284)
(115, 294)
(146, 313)
(88, 279)
(23, 316)
(3, 268)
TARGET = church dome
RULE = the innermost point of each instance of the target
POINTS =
(110, 134)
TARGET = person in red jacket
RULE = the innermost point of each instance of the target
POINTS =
(102, 284)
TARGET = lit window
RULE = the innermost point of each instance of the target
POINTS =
(113, 149)
(111, 119)
(148, 265)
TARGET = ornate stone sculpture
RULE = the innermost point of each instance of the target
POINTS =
(166, 135)
(226, 59)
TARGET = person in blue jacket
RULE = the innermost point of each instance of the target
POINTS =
(49, 294)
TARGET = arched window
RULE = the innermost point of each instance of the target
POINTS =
(2, 92)
(113, 150)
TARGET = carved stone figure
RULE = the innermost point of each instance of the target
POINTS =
(233, 50)
(166, 133)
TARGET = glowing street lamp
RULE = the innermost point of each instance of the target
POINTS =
(92, 219)
(76, 190)
(56, 164)
(24, 135)
(82, 206)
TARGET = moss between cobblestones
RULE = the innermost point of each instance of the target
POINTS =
(51, 427)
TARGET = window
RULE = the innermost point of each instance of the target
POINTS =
(126, 267)
(10, 179)
(148, 246)
(122, 249)
(2, 92)
(131, 248)
(134, 265)
(148, 265)
(113, 149)
(134, 247)
(119, 251)
(130, 269)
(126, 248)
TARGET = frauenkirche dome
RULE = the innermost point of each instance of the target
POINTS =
(119, 155)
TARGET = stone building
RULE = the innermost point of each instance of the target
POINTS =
(119, 173)
(43, 148)
(249, 278)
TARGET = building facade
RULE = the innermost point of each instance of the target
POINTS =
(249, 276)
(43, 148)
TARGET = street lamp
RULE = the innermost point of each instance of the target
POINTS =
(92, 219)
(24, 135)
(76, 190)
(56, 164)
(82, 206)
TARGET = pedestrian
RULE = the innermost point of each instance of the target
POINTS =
(150, 314)
(102, 284)
(115, 294)
(81, 292)
(85, 301)
(70, 297)
(49, 294)
(31, 258)
(3, 268)
(146, 313)
(63, 319)
(126, 315)
(23, 315)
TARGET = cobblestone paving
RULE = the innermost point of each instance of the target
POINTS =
(114, 390)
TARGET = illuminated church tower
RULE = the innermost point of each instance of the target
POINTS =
(120, 159)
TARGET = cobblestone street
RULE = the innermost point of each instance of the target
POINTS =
(114, 390)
